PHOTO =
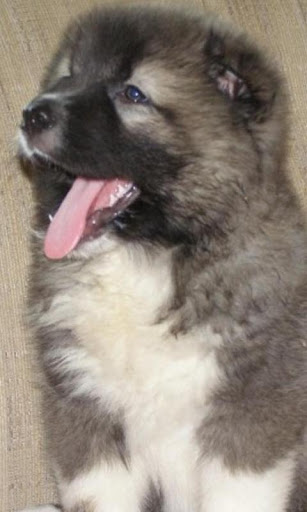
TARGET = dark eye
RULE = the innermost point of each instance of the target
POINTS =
(134, 94)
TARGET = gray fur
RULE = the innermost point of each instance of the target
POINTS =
(153, 501)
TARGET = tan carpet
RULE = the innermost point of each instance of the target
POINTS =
(28, 32)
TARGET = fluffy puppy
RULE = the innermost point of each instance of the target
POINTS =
(168, 293)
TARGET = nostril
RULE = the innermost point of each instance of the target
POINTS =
(37, 118)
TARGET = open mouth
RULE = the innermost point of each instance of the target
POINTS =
(89, 206)
(85, 211)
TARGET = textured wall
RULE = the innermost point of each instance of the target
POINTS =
(28, 32)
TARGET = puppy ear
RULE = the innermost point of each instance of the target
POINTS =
(242, 75)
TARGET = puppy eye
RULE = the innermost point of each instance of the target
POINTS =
(134, 94)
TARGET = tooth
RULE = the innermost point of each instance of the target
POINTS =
(50, 217)
(113, 199)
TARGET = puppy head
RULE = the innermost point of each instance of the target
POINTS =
(171, 114)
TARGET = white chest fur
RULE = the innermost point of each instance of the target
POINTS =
(135, 365)
(126, 356)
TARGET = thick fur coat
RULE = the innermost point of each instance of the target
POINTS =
(173, 338)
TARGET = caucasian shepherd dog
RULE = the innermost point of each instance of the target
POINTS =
(168, 290)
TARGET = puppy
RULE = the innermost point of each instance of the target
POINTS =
(168, 293)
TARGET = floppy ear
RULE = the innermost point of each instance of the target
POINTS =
(241, 73)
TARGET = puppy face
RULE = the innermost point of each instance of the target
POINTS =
(169, 111)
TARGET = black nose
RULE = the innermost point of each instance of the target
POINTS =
(38, 116)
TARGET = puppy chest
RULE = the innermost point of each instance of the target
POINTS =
(125, 356)
(143, 367)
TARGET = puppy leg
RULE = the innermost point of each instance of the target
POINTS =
(239, 491)
(108, 487)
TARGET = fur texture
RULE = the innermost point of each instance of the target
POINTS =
(173, 345)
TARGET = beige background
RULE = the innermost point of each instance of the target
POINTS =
(28, 32)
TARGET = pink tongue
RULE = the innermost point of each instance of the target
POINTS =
(68, 224)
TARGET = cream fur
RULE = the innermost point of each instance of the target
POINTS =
(126, 355)
(134, 364)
